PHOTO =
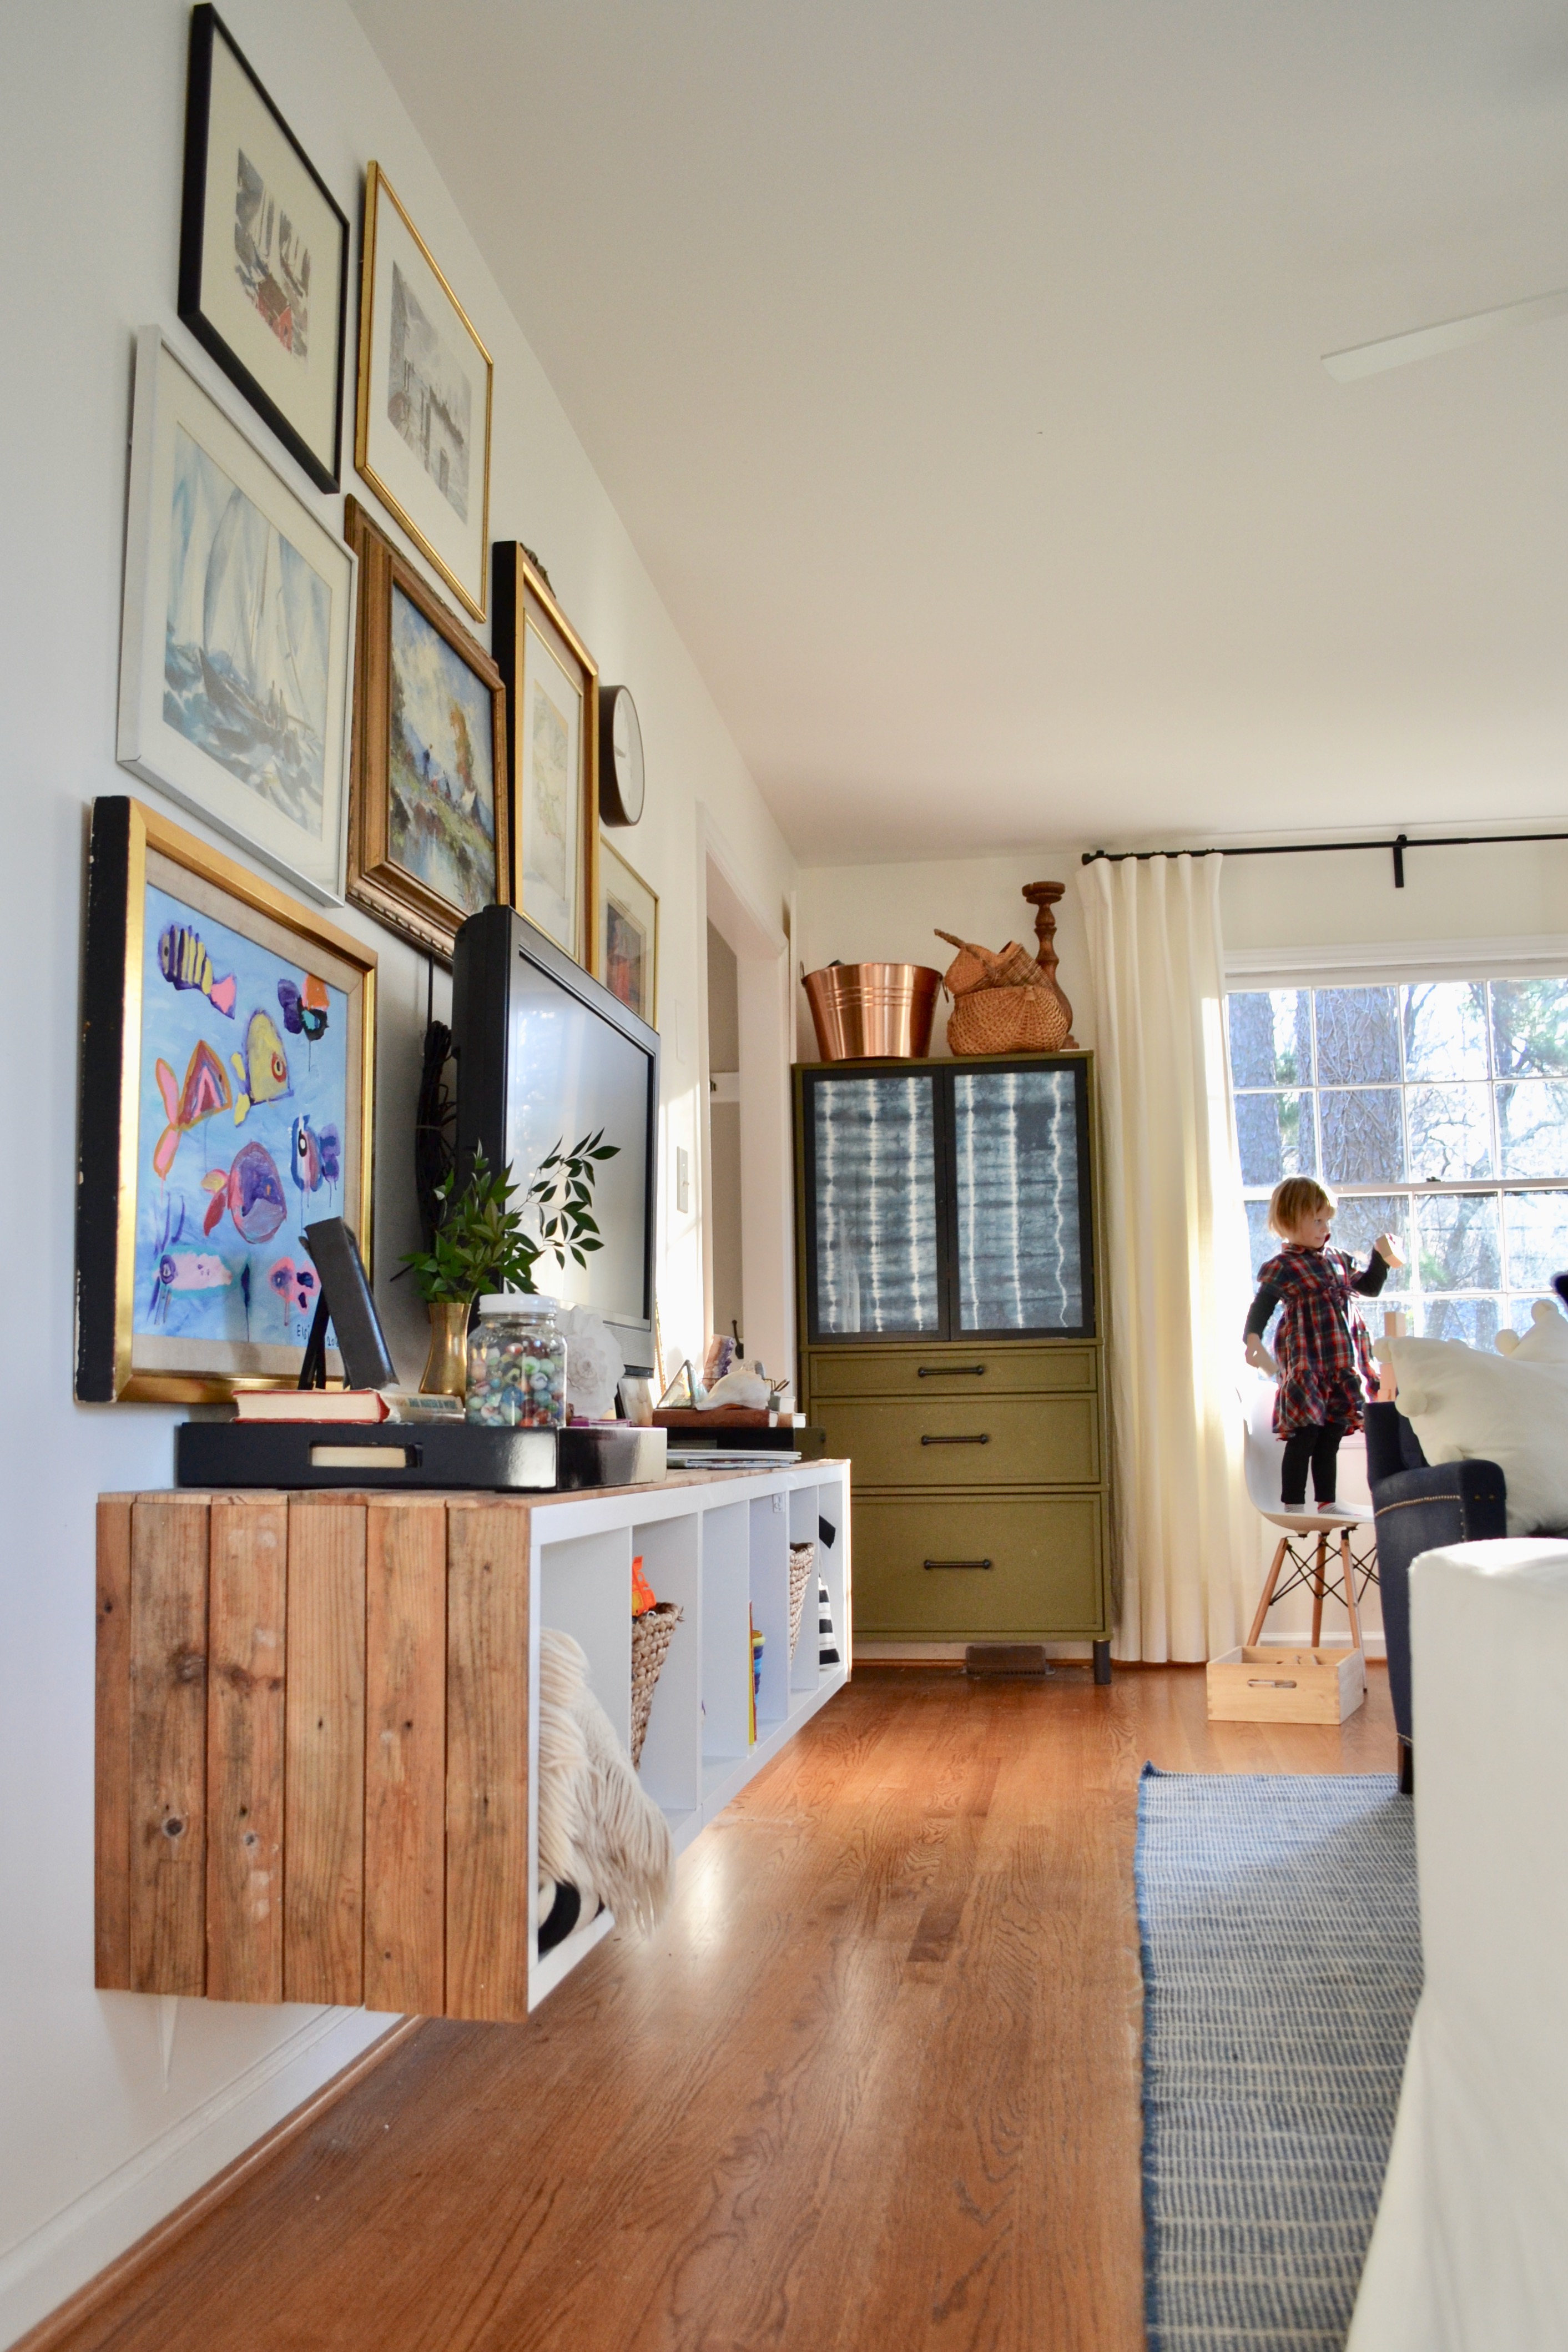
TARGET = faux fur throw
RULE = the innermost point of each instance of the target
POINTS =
(598, 1829)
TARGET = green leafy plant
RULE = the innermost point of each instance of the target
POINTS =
(492, 1232)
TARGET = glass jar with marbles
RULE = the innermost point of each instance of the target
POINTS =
(517, 1363)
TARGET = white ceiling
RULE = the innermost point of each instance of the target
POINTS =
(957, 372)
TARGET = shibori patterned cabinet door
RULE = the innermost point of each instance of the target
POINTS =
(951, 1336)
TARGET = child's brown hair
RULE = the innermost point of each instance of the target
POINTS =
(1298, 1197)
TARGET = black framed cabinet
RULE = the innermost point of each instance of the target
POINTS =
(948, 1256)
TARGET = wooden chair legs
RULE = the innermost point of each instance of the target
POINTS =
(1319, 1572)
(1269, 1581)
(1347, 1570)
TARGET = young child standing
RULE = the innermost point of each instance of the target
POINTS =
(1321, 1345)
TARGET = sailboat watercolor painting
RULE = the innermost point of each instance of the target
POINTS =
(246, 649)
(441, 764)
(236, 640)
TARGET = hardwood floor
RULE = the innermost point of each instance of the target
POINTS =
(874, 2086)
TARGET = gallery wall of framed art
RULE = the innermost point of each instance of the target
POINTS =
(264, 253)
(429, 837)
(237, 637)
(227, 1097)
(552, 719)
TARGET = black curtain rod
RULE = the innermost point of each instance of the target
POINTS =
(1400, 843)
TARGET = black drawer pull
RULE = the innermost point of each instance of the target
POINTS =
(951, 1372)
(957, 1563)
(983, 1439)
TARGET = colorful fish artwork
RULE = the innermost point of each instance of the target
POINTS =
(304, 1009)
(204, 1092)
(297, 1285)
(184, 962)
(315, 1159)
(262, 1074)
(252, 1193)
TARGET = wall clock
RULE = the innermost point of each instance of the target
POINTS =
(622, 783)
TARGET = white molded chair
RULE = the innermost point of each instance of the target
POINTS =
(1302, 1561)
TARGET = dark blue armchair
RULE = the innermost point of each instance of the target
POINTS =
(1418, 1508)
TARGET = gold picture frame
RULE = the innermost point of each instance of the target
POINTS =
(416, 433)
(190, 1282)
(626, 936)
(552, 746)
(428, 812)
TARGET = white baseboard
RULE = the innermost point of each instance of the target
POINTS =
(52, 2262)
(937, 1653)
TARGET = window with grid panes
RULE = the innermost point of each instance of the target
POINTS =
(1437, 1110)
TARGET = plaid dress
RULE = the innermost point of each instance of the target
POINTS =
(1321, 1343)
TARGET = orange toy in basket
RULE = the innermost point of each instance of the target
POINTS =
(642, 1591)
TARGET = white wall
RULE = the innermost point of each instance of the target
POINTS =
(1349, 899)
(104, 2124)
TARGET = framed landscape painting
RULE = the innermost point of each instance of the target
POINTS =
(428, 833)
(421, 430)
(264, 254)
(628, 935)
(552, 712)
(227, 1071)
(236, 634)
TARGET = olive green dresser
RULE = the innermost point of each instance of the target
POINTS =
(950, 1317)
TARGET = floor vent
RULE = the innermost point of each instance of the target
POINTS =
(1008, 1658)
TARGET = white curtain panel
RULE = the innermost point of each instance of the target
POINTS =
(1184, 1533)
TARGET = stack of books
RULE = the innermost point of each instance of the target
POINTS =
(345, 1404)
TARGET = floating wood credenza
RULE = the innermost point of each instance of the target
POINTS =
(313, 1750)
(314, 1728)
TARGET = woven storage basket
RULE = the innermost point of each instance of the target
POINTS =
(650, 1636)
(802, 1560)
(1001, 1003)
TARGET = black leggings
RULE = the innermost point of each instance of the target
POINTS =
(1320, 1447)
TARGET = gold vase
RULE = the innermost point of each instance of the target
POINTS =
(445, 1369)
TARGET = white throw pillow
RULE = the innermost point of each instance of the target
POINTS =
(1466, 1405)
(1545, 1342)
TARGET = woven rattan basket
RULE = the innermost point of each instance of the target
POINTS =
(651, 1637)
(802, 1560)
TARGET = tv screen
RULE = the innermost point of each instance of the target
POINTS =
(547, 1055)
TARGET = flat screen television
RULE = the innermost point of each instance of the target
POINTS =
(545, 1055)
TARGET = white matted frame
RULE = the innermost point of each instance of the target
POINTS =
(236, 634)
(421, 417)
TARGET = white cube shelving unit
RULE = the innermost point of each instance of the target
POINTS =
(719, 1547)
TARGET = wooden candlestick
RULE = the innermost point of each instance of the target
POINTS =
(1043, 897)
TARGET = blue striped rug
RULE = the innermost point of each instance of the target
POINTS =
(1281, 1962)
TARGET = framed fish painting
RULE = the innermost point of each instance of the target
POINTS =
(552, 710)
(228, 1052)
(236, 635)
(428, 823)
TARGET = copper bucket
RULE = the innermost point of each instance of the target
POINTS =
(863, 1010)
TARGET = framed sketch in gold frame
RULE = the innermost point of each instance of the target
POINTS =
(627, 936)
(227, 1085)
(428, 819)
(552, 720)
(421, 418)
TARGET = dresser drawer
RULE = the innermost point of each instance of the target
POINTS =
(943, 1371)
(949, 1441)
(998, 1568)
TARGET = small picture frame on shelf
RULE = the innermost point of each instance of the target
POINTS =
(236, 633)
(552, 715)
(264, 254)
(422, 422)
(628, 936)
(227, 1085)
(428, 824)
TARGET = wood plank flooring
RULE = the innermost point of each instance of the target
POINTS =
(873, 2087)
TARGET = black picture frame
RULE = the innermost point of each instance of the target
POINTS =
(325, 470)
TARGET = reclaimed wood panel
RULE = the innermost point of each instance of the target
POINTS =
(405, 1756)
(487, 1760)
(168, 1744)
(111, 1751)
(247, 1602)
(324, 1771)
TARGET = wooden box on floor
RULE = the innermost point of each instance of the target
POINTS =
(1271, 1684)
